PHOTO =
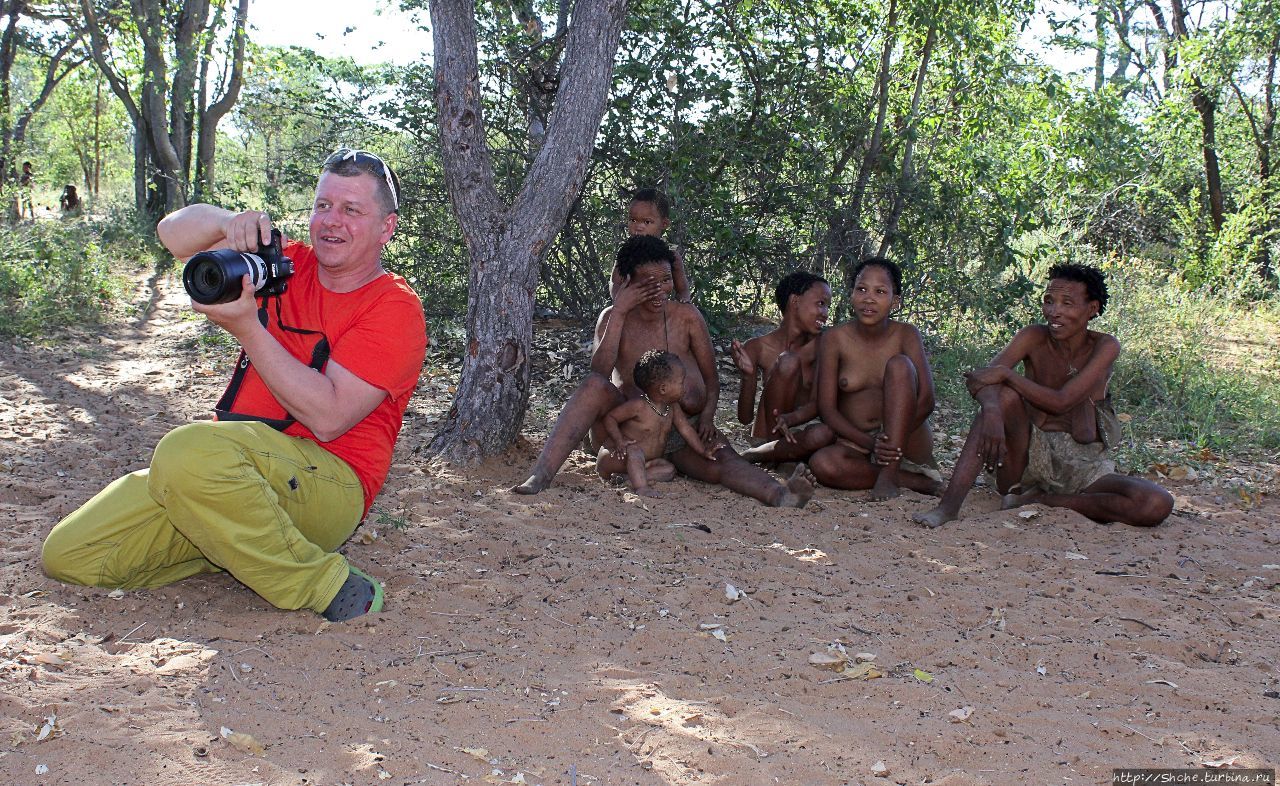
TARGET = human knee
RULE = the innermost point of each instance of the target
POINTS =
(1010, 401)
(900, 367)
(189, 455)
(1156, 505)
(57, 556)
(825, 466)
(819, 435)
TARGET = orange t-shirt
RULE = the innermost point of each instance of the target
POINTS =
(377, 332)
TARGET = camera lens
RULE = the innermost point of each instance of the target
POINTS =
(214, 276)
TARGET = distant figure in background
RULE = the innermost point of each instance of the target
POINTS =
(70, 202)
(25, 184)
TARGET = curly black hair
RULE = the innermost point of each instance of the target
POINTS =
(795, 283)
(656, 197)
(642, 250)
(1095, 284)
(654, 367)
(895, 273)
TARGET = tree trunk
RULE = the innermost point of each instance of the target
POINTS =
(1207, 108)
(906, 182)
(207, 138)
(507, 244)
(847, 237)
(8, 47)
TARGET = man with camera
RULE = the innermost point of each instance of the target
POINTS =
(331, 350)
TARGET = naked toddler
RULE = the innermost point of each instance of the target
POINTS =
(640, 429)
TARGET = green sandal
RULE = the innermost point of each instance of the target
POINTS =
(359, 594)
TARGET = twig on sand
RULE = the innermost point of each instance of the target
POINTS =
(1140, 734)
(255, 649)
(121, 640)
(562, 622)
(526, 720)
(438, 768)
(1146, 625)
(759, 753)
(451, 613)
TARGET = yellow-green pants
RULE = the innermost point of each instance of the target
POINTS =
(235, 496)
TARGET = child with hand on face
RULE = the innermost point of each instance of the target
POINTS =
(639, 429)
(649, 213)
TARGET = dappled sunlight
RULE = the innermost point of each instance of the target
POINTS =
(666, 728)
(812, 555)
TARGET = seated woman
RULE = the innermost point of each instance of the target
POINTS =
(875, 391)
(1044, 433)
(786, 359)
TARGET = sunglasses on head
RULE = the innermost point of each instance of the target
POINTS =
(364, 156)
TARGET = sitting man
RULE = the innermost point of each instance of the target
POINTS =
(305, 431)
(786, 358)
(643, 318)
(1045, 434)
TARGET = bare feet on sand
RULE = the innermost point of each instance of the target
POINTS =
(1011, 501)
(885, 488)
(648, 491)
(936, 517)
(533, 485)
(799, 488)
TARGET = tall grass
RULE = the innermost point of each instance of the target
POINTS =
(55, 274)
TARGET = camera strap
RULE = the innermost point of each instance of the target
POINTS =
(319, 357)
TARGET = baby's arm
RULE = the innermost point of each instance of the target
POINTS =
(680, 278)
(685, 428)
(613, 421)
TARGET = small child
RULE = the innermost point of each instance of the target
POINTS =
(649, 213)
(639, 428)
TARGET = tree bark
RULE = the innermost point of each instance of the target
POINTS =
(907, 179)
(506, 244)
(847, 237)
(1206, 108)
(212, 115)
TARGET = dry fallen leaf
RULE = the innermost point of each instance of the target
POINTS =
(961, 715)
(1219, 764)
(477, 753)
(50, 723)
(1028, 514)
(826, 660)
(243, 742)
(864, 657)
(923, 676)
(1073, 555)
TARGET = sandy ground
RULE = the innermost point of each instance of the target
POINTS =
(575, 637)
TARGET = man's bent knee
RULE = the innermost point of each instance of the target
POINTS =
(58, 557)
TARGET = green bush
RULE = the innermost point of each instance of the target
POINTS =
(54, 274)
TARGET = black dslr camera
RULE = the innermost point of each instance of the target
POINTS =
(214, 276)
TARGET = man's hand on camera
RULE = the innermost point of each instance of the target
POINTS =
(237, 316)
(248, 231)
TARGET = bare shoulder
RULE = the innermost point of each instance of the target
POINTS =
(687, 316)
(627, 409)
(762, 342)
(1104, 340)
(603, 319)
(906, 333)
